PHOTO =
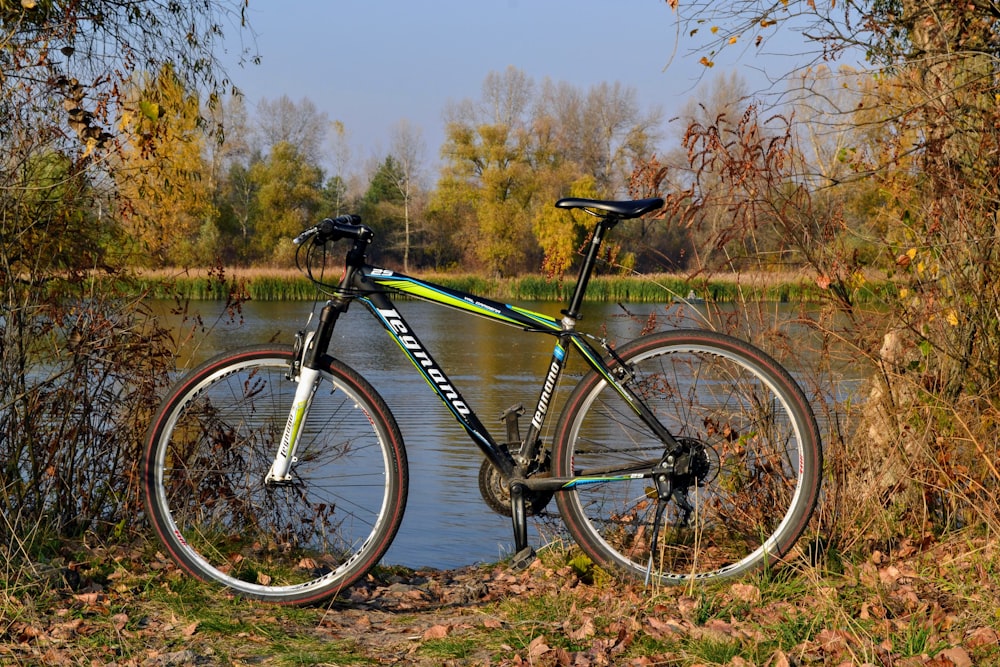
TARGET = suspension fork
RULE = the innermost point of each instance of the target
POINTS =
(306, 369)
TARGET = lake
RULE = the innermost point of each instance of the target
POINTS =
(446, 524)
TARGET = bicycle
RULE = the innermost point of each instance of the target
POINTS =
(279, 472)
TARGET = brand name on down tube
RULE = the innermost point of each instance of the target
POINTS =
(421, 357)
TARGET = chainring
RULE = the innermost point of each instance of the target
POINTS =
(497, 495)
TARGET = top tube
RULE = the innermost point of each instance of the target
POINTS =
(464, 301)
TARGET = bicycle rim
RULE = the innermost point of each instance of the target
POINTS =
(214, 442)
(753, 444)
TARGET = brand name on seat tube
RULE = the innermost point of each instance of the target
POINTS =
(543, 401)
(420, 355)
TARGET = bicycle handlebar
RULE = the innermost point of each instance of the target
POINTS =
(333, 229)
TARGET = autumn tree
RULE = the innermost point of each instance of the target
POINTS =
(298, 124)
(488, 149)
(926, 146)
(382, 206)
(289, 196)
(512, 153)
(163, 174)
(341, 157)
(81, 361)
(408, 149)
(716, 107)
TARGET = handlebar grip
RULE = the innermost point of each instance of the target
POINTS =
(331, 229)
(346, 226)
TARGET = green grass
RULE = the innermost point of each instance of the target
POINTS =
(143, 608)
(449, 648)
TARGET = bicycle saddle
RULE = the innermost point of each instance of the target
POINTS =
(622, 209)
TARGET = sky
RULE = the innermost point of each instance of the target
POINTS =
(371, 63)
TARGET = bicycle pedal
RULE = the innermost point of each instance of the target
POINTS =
(522, 559)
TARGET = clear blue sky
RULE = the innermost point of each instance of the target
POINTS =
(371, 63)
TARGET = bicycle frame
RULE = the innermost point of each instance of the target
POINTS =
(382, 308)
(371, 285)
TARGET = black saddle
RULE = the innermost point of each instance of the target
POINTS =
(632, 208)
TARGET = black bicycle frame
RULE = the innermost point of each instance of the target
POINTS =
(372, 285)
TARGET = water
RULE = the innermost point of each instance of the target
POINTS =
(494, 366)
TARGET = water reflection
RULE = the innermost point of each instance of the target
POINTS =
(493, 366)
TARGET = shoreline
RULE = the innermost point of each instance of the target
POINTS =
(291, 285)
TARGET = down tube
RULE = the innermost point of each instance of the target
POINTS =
(435, 376)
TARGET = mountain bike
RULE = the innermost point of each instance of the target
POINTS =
(279, 472)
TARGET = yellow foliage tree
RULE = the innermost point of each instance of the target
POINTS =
(560, 233)
(162, 178)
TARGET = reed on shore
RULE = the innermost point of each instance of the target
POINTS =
(290, 285)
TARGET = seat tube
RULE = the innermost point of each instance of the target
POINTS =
(576, 301)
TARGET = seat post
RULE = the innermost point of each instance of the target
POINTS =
(576, 301)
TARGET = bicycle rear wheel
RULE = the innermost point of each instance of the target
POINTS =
(211, 445)
(754, 449)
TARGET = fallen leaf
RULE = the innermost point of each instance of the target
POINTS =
(687, 605)
(55, 658)
(957, 655)
(745, 592)
(88, 598)
(537, 648)
(190, 629)
(779, 659)
(662, 629)
(66, 630)
(982, 637)
(437, 632)
(585, 630)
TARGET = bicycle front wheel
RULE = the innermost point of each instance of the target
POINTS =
(747, 430)
(210, 447)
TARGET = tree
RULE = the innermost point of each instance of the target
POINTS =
(619, 134)
(561, 233)
(408, 149)
(237, 204)
(487, 151)
(163, 174)
(289, 195)
(341, 158)
(927, 143)
(602, 132)
(81, 361)
(718, 105)
(489, 168)
(510, 155)
(383, 204)
(299, 124)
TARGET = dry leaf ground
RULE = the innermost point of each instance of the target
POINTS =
(936, 607)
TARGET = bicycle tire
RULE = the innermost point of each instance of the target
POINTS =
(210, 446)
(755, 451)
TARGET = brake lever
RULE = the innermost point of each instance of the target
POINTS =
(305, 236)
